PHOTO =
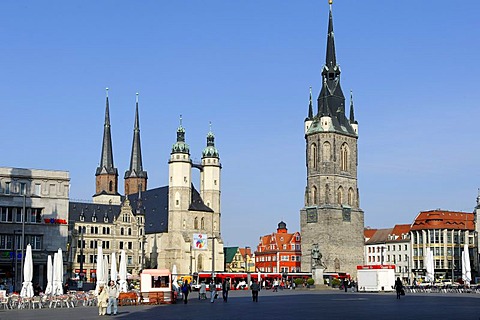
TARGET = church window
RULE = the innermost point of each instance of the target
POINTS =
(184, 224)
(215, 182)
(122, 231)
(110, 186)
(340, 195)
(185, 179)
(214, 225)
(314, 195)
(177, 199)
(202, 223)
(195, 223)
(313, 155)
(129, 231)
(200, 263)
(326, 152)
(350, 197)
(344, 155)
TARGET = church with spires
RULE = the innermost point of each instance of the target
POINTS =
(156, 227)
(331, 218)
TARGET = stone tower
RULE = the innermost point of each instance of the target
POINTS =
(136, 177)
(332, 217)
(210, 180)
(179, 183)
(106, 175)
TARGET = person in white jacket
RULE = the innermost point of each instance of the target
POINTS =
(113, 292)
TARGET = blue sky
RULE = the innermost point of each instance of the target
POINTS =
(247, 66)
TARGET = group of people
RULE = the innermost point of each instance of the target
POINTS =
(212, 287)
(107, 298)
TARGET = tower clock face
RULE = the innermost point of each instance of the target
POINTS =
(312, 215)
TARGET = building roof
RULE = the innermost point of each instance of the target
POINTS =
(368, 233)
(155, 207)
(245, 251)
(442, 219)
(229, 253)
(380, 236)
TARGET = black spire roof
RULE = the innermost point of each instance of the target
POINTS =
(310, 106)
(331, 101)
(352, 113)
(106, 160)
(136, 167)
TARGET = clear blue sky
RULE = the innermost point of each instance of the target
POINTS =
(247, 66)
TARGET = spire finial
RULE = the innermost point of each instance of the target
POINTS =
(106, 91)
(180, 120)
(330, 2)
(136, 97)
(210, 126)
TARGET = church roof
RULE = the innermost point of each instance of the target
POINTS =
(136, 166)
(229, 253)
(155, 205)
(106, 160)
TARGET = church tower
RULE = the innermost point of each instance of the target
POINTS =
(210, 180)
(332, 217)
(135, 177)
(106, 175)
(179, 183)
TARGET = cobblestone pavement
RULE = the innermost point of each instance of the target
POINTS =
(286, 304)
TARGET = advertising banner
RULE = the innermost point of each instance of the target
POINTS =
(200, 241)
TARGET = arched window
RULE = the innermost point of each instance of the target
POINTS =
(195, 223)
(314, 195)
(202, 223)
(344, 155)
(326, 152)
(340, 195)
(129, 231)
(122, 231)
(200, 263)
(351, 197)
(177, 199)
(110, 186)
(313, 155)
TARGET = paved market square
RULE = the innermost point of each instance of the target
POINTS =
(286, 304)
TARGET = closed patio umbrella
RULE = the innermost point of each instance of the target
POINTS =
(466, 269)
(58, 273)
(27, 287)
(49, 288)
(123, 272)
(113, 269)
(99, 271)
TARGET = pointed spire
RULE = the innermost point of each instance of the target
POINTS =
(310, 106)
(136, 166)
(331, 59)
(106, 160)
(352, 114)
(210, 150)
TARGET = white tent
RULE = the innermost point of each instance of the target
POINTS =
(99, 271)
(113, 270)
(49, 288)
(27, 287)
(466, 269)
(123, 272)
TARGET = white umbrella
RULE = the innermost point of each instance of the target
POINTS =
(429, 266)
(466, 269)
(123, 272)
(27, 287)
(49, 288)
(105, 268)
(99, 271)
(113, 270)
(174, 276)
(58, 273)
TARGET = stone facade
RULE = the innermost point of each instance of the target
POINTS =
(332, 217)
(46, 229)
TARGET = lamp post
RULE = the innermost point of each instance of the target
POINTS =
(213, 256)
(247, 267)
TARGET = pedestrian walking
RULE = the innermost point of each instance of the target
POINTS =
(213, 291)
(185, 291)
(225, 289)
(112, 292)
(202, 293)
(275, 285)
(102, 300)
(398, 287)
(255, 287)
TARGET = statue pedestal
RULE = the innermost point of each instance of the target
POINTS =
(317, 275)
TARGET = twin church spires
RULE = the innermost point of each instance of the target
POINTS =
(107, 175)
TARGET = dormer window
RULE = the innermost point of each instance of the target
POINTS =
(94, 218)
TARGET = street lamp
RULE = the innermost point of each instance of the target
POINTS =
(213, 256)
(247, 266)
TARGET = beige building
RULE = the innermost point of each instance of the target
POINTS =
(33, 203)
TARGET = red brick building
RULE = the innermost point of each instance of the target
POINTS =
(279, 252)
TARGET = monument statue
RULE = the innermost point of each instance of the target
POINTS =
(316, 256)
